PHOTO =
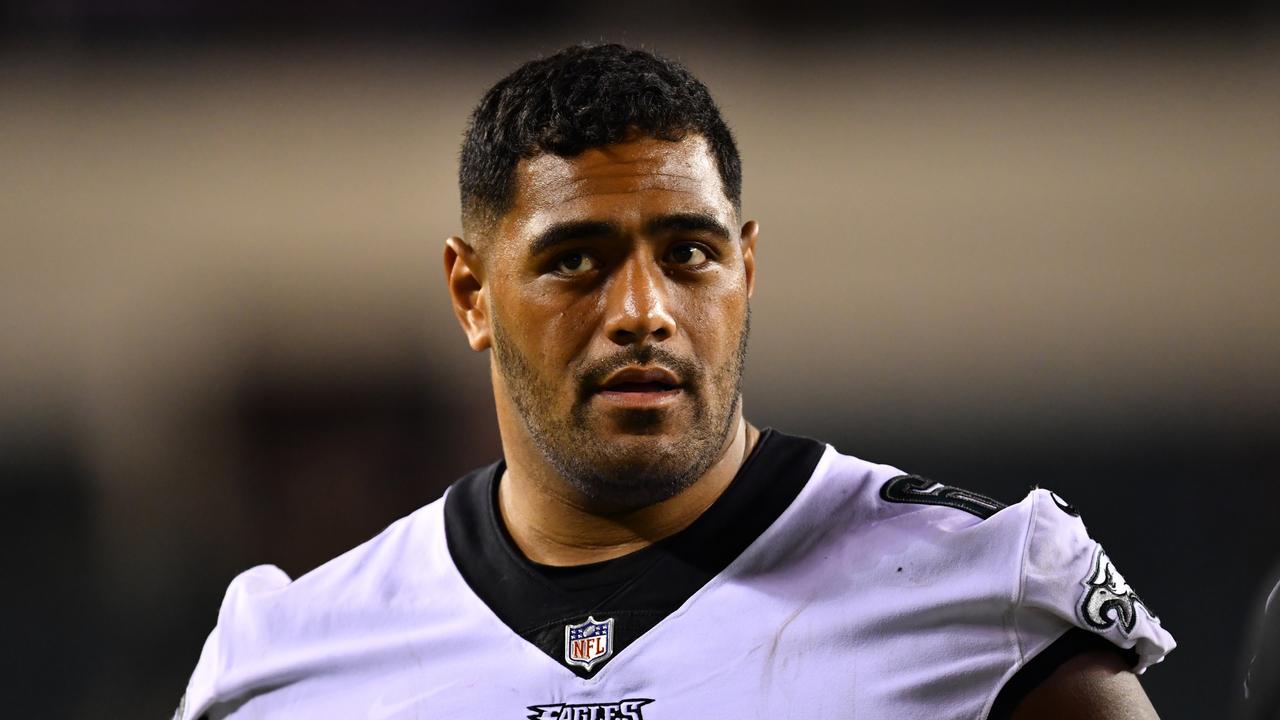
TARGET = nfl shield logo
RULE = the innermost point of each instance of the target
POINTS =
(588, 643)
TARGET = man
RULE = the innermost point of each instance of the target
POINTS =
(642, 551)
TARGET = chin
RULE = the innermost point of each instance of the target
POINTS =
(624, 492)
(620, 425)
(628, 472)
(624, 459)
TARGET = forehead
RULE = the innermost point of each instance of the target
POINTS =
(625, 183)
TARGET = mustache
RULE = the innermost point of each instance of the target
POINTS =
(593, 375)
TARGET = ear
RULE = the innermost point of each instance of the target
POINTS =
(464, 276)
(750, 231)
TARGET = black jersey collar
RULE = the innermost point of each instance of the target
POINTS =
(639, 589)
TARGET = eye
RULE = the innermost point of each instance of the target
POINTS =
(688, 255)
(574, 263)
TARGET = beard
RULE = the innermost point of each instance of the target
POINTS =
(640, 465)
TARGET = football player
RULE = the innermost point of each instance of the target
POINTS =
(641, 550)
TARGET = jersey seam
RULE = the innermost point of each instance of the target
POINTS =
(1024, 559)
(1020, 658)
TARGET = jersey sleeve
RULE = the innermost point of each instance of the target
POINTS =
(1067, 579)
(214, 679)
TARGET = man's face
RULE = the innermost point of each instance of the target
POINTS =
(618, 289)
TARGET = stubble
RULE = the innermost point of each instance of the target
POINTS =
(618, 475)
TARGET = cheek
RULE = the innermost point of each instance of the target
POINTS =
(713, 321)
(559, 328)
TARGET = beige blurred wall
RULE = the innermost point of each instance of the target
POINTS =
(1045, 226)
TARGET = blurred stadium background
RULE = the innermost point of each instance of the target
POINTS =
(1002, 247)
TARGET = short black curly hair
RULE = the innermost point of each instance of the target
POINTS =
(583, 97)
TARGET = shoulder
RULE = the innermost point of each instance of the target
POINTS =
(272, 629)
(870, 519)
(1068, 575)
(860, 495)
(1032, 564)
(1038, 532)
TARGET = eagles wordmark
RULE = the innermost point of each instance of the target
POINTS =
(622, 710)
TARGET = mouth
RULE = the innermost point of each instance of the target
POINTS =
(637, 387)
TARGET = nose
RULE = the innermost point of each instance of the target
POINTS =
(638, 306)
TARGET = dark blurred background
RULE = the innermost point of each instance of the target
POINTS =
(1004, 245)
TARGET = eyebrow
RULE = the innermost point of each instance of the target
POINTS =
(577, 230)
(687, 222)
(572, 230)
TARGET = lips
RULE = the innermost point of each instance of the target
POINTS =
(641, 380)
(640, 388)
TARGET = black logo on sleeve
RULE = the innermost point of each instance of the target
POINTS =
(621, 710)
(922, 491)
(1108, 600)
(1063, 505)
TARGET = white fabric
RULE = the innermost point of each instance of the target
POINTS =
(847, 606)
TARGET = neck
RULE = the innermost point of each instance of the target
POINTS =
(552, 527)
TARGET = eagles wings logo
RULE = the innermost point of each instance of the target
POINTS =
(1108, 599)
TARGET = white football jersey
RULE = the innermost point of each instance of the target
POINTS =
(817, 586)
